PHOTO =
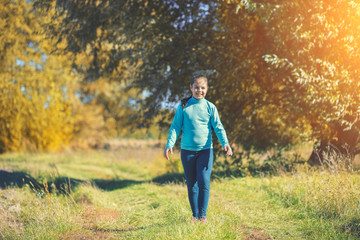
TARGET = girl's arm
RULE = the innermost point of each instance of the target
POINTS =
(174, 132)
(220, 132)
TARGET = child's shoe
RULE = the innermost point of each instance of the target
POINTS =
(204, 219)
(193, 220)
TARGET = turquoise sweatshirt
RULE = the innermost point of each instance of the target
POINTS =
(196, 121)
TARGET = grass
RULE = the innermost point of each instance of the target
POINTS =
(135, 194)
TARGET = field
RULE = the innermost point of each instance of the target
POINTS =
(131, 192)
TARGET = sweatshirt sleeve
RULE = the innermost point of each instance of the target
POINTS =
(219, 128)
(175, 127)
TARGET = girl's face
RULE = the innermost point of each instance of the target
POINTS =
(199, 88)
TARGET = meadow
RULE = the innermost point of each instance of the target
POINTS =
(132, 192)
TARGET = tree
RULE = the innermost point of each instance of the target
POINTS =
(106, 59)
(244, 87)
(323, 63)
(280, 72)
(170, 41)
(302, 62)
(36, 86)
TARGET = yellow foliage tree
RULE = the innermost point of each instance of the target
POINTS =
(36, 87)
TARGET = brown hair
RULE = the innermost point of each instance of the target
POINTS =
(198, 77)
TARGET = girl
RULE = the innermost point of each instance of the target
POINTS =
(196, 117)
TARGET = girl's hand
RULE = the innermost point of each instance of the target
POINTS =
(228, 150)
(166, 153)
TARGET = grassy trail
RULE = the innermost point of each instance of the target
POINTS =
(119, 195)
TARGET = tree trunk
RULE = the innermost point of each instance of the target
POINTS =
(345, 146)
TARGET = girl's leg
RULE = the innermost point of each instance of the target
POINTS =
(188, 159)
(204, 165)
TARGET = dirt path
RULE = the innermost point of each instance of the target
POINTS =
(238, 209)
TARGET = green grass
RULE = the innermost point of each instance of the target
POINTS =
(119, 195)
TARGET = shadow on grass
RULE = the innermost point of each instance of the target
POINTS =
(110, 185)
(18, 179)
(66, 184)
(352, 227)
(169, 178)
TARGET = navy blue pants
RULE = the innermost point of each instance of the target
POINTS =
(197, 168)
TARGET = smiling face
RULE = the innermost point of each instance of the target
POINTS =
(199, 88)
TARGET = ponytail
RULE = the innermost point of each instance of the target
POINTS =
(185, 101)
